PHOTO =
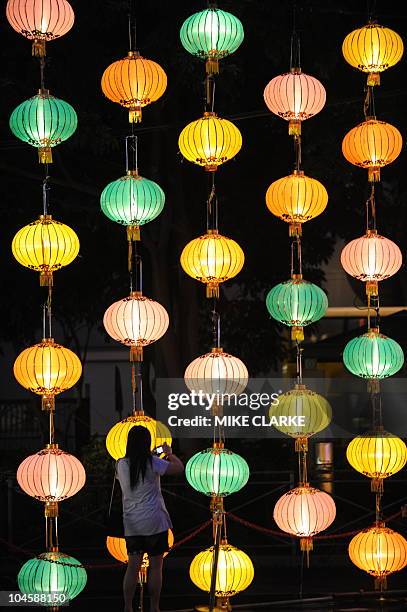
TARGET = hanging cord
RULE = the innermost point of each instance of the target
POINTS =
(296, 256)
(47, 315)
(378, 507)
(371, 10)
(137, 386)
(212, 215)
(369, 107)
(131, 149)
(298, 152)
(132, 26)
(302, 467)
(42, 72)
(51, 427)
(377, 414)
(209, 91)
(299, 362)
(295, 45)
(215, 324)
(371, 209)
(46, 188)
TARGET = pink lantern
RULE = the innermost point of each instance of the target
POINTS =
(295, 96)
(371, 258)
(304, 512)
(51, 475)
(40, 20)
(136, 321)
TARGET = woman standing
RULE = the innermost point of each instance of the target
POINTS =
(145, 517)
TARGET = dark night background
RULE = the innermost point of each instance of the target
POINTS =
(94, 156)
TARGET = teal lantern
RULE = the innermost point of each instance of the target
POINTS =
(211, 35)
(217, 471)
(373, 355)
(132, 200)
(43, 122)
(52, 572)
(296, 303)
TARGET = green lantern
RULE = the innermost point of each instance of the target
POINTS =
(211, 35)
(217, 471)
(43, 122)
(52, 572)
(373, 355)
(296, 303)
(132, 200)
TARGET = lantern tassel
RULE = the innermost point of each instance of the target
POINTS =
(38, 48)
(380, 583)
(46, 278)
(373, 386)
(135, 115)
(212, 290)
(295, 229)
(297, 333)
(294, 127)
(373, 175)
(45, 155)
(136, 353)
(212, 65)
(376, 485)
(373, 78)
(301, 445)
(142, 575)
(48, 403)
(133, 232)
(51, 509)
(372, 288)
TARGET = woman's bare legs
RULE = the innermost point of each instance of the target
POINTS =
(130, 580)
(155, 579)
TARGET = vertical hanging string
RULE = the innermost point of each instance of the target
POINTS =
(51, 427)
(132, 26)
(42, 72)
(299, 362)
(294, 39)
(45, 192)
(296, 256)
(137, 386)
(212, 205)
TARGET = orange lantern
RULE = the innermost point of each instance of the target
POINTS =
(134, 82)
(40, 20)
(296, 198)
(371, 258)
(372, 144)
(295, 96)
(304, 512)
(51, 475)
(379, 551)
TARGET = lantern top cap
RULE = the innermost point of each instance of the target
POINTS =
(370, 118)
(48, 341)
(136, 294)
(296, 276)
(298, 172)
(52, 446)
(295, 70)
(134, 173)
(219, 444)
(299, 387)
(373, 331)
(45, 218)
(212, 231)
(43, 93)
(209, 114)
(134, 55)
(371, 232)
(137, 413)
(216, 349)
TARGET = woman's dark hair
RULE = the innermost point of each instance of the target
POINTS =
(138, 452)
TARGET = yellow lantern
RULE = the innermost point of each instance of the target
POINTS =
(45, 245)
(210, 141)
(372, 144)
(116, 439)
(134, 82)
(378, 455)
(379, 551)
(47, 369)
(212, 259)
(235, 571)
(295, 199)
(372, 49)
(301, 402)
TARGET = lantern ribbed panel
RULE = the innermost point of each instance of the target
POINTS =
(295, 95)
(372, 48)
(296, 198)
(212, 33)
(132, 200)
(371, 257)
(302, 402)
(235, 570)
(373, 355)
(43, 121)
(377, 454)
(372, 144)
(217, 372)
(45, 245)
(52, 572)
(136, 321)
(378, 550)
(116, 439)
(51, 475)
(217, 472)
(134, 81)
(296, 302)
(40, 19)
(47, 368)
(212, 258)
(210, 141)
(304, 511)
